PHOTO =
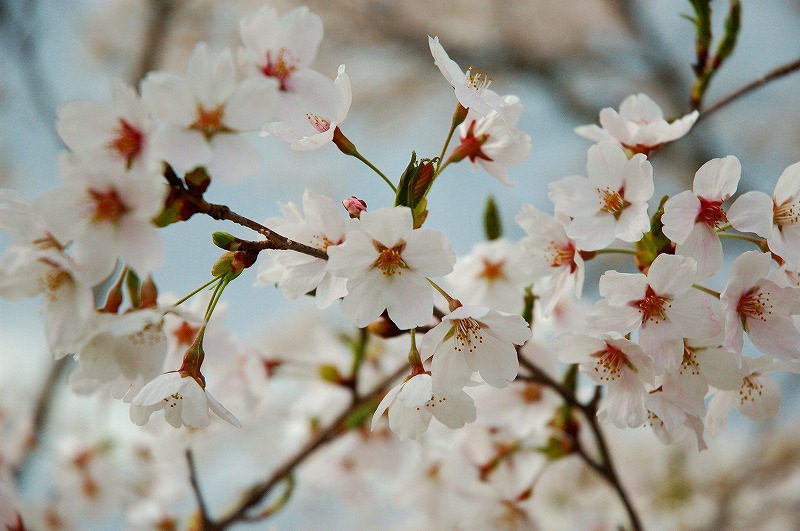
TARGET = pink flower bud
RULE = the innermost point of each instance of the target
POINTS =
(354, 206)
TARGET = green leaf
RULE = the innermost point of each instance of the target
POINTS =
(492, 225)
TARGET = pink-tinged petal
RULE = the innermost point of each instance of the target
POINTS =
(788, 185)
(784, 241)
(366, 298)
(449, 367)
(354, 257)
(621, 288)
(329, 290)
(719, 368)
(617, 126)
(141, 246)
(506, 327)
(638, 179)
(409, 301)
(661, 341)
(170, 98)
(139, 415)
(577, 348)
(704, 246)
(680, 212)
(454, 409)
(385, 403)
(233, 158)
(734, 331)
(220, 411)
(762, 404)
(309, 91)
(670, 274)
(434, 338)
(259, 30)
(389, 226)
(719, 409)
(717, 179)
(687, 389)
(182, 148)
(449, 68)
(679, 127)
(571, 196)
(778, 337)
(194, 409)
(593, 232)
(303, 277)
(301, 33)
(752, 212)
(633, 223)
(252, 105)
(640, 108)
(85, 125)
(692, 315)
(604, 318)
(62, 213)
(624, 403)
(749, 268)
(496, 362)
(417, 390)
(670, 415)
(96, 254)
(156, 390)
(429, 253)
(593, 132)
(606, 165)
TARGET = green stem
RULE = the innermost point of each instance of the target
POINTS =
(452, 303)
(711, 292)
(195, 292)
(361, 157)
(724, 227)
(759, 242)
(615, 251)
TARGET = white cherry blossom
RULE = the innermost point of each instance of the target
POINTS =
(121, 132)
(184, 401)
(639, 125)
(204, 111)
(775, 218)
(414, 402)
(314, 124)
(323, 226)
(610, 203)
(473, 338)
(106, 212)
(472, 88)
(386, 263)
(670, 422)
(493, 142)
(691, 218)
(619, 364)
(753, 304)
(662, 305)
(553, 259)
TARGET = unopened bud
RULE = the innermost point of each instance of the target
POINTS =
(330, 373)
(223, 240)
(354, 206)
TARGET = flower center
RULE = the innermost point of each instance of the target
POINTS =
(186, 333)
(51, 282)
(107, 207)
(653, 306)
(492, 271)
(128, 142)
(318, 123)
(786, 214)
(561, 255)
(209, 121)
(468, 335)
(322, 242)
(689, 364)
(750, 389)
(478, 81)
(172, 400)
(281, 68)
(612, 201)
(609, 363)
(711, 213)
(390, 260)
(754, 305)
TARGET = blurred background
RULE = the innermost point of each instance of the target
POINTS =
(565, 59)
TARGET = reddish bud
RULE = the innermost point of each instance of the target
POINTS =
(354, 206)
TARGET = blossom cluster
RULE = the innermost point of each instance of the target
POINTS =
(666, 350)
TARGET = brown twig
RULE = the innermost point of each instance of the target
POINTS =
(778, 72)
(201, 504)
(258, 492)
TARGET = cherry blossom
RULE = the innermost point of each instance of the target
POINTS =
(492, 275)
(775, 218)
(670, 422)
(638, 126)
(610, 203)
(323, 226)
(121, 132)
(553, 258)
(493, 142)
(662, 303)
(106, 212)
(753, 304)
(386, 262)
(473, 338)
(412, 404)
(204, 111)
(184, 401)
(472, 88)
(691, 218)
(282, 48)
(314, 124)
(620, 364)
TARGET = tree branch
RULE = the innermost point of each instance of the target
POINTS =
(201, 504)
